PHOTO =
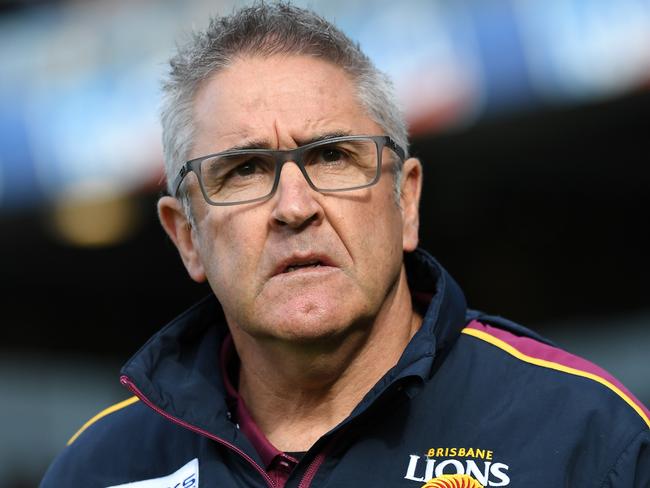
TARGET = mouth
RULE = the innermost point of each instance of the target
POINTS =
(295, 267)
(295, 264)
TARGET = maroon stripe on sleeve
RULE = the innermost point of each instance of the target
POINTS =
(543, 355)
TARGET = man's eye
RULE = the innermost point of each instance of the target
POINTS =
(331, 155)
(248, 168)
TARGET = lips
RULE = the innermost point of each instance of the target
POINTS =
(301, 262)
(294, 267)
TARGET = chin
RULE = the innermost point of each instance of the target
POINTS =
(311, 325)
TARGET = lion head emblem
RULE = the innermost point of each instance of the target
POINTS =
(453, 481)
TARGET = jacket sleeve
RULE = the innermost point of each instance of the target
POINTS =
(61, 473)
(632, 468)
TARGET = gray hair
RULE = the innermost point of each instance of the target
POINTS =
(266, 30)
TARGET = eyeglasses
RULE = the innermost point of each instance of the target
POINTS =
(331, 165)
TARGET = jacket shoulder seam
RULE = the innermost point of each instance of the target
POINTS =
(545, 363)
(102, 414)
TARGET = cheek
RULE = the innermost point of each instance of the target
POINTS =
(387, 222)
(389, 235)
(229, 247)
(375, 237)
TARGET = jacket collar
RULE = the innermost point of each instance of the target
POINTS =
(444, 317)
(178, 368)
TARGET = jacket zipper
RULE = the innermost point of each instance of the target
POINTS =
(126, 381)
(311, 470)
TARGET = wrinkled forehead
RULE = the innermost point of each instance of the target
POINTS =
(282, 99)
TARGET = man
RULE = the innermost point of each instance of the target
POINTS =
(333, 352)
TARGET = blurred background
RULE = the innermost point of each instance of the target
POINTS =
(531, 119)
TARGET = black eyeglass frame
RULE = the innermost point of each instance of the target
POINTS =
(288, 155)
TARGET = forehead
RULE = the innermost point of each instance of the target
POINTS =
(280, 101)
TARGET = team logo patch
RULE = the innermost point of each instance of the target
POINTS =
(456, 467)
(185, 477)
(453, 481)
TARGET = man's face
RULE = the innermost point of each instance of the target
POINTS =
(302, 265)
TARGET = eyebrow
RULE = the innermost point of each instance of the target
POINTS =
(250, 144)
(325, 137)
(264, 144)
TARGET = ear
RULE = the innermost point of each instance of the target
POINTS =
(180, 231)
(410, 190)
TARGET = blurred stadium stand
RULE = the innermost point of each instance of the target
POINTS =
(531, 118)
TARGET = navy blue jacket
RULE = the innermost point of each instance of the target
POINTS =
(472, 398)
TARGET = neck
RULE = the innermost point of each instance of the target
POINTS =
(298, 392)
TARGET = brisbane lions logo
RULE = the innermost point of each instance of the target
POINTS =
(453, 481)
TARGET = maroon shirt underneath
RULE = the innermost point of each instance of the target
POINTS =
(278, 464)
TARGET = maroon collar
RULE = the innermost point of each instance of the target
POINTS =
(229, 367)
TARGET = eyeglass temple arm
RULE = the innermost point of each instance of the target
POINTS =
(179, 178)
(395, 147)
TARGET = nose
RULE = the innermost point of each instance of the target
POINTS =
(294, 202)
